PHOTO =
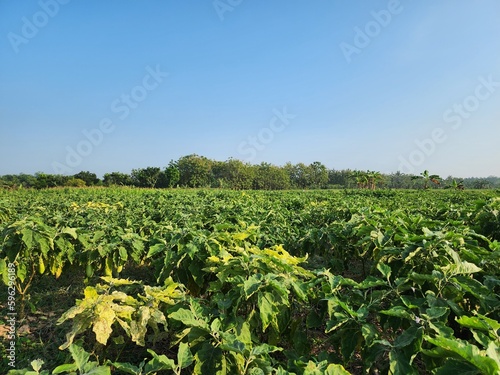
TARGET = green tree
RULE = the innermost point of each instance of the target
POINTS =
(340, 178)
(399, 180)
(89, 178)
(172, 174)
(481, 183)
(75, 182)
(270, 177)
(361, 179)
(44, 180)
(146, 177)
(317, 175)
(298, 175)
(117, 178)
(373, 178)
(194, 171)
(233, 174)
(455, 185)
(427, 178)
(15, 181)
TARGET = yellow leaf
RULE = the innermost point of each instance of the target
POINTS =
(90, 292)
(240, 236)
(102, 325)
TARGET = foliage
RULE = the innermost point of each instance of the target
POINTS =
(194, 171)
(263, 282)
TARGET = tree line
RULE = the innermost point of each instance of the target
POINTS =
(194, 171)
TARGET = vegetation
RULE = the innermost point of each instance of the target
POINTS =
(193, 171)
(142, 281)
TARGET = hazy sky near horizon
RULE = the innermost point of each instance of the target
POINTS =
(120, 84)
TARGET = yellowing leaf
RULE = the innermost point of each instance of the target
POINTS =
(241, 236)
(90, 292)
(102, 325)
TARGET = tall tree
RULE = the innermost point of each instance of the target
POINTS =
(317, 176)
(89, 178)
(270, 177)
(172, 174)
(427, 178)
(195, 171)
(117, 178)
(232, 174)
(146, 177)
(44, 180)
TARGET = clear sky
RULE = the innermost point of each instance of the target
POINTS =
(120, 84)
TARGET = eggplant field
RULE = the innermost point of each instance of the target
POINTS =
(214, 282)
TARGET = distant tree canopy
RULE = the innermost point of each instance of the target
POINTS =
(194, 171)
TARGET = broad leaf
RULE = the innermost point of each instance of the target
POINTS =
(469, 352)
(184, 356)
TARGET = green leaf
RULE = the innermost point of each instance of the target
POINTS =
(210, 360)
(473, 322)
(65, 368)
(398, 311)
(99, 370)
(436, 312)
(79, 355)
(21, 271)
(299, 290)
(371, 282)
(467, 351)
(407, 337)
(334, 369)
(422, 278)
(252, 284)
(23, 371)
(349, 343)
(333, 324)
(384, 269)
(399, 364)
(158, 363)
(187, 318)
(123, 253)
(370, 333)
(264, 349)
(27, 237)
(256, 371)
(244, 334)
(314, 320)
(463, 268)
(127, 367)
(4, 272)
(156, 249)
(235, 346)
(455, 367)
(70, 231)
(46, 245)
(184, 356)
(268, 310)
(37, 364)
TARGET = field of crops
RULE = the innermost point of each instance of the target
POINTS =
(132, 281)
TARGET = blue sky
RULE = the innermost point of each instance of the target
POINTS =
(382, 85)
